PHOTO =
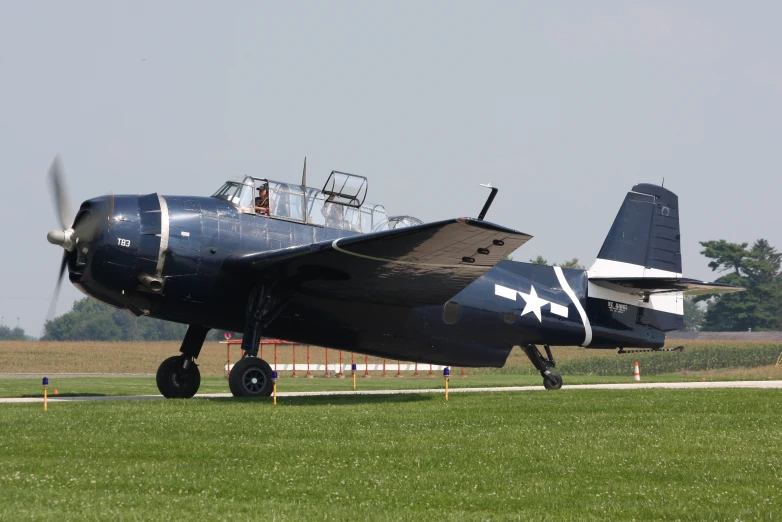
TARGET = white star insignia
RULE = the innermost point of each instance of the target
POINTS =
(533, 303)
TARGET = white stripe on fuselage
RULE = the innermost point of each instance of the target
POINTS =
(164, 230)
(572, 295)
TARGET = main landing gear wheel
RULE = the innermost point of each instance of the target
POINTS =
(552, 381)
(176, 379)
(251, 377)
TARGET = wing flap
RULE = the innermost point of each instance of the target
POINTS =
(420, 265)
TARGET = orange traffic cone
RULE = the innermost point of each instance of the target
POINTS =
(636, 373)
(56, 392)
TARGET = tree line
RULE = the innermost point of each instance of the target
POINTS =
(756, 268)
(12, 334)
(91, 320)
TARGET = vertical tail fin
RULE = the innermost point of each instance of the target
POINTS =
(644, 240)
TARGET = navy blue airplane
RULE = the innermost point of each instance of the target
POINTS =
(326, 268)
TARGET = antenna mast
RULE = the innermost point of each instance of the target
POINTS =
(489, 200)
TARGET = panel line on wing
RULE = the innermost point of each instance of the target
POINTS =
(399, 262)
(467, 241)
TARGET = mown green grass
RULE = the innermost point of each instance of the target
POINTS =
(70, 386)
(570, 455)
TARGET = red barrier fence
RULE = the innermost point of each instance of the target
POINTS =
(335, 369)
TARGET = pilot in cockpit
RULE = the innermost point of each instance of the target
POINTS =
(262, 201)
(333, 212)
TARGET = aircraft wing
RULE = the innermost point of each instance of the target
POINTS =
(413, 266)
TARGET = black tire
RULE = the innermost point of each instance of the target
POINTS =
(552, 381)
(251, 377)
(176, 382)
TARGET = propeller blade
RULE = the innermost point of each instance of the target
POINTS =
(53, 304)
(62, 203)
(86, 225)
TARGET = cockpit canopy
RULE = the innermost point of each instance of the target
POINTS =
(403, 221)
(347, 189)
(340, 205)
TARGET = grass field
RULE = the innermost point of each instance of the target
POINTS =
(570, 455)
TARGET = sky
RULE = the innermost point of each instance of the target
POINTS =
(562, 105)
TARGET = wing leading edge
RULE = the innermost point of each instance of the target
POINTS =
(414, 266)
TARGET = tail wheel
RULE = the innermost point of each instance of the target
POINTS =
(552, 381)
(251, 377)
(175, 381)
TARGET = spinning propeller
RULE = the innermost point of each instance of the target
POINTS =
(74, 233)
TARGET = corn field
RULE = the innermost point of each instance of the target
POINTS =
(696, 356)
(144, 358)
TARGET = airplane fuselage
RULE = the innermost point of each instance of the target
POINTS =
(182, 242)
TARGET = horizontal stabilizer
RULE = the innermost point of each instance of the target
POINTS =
(658, 285)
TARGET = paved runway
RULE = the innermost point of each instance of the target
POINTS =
(629, 386)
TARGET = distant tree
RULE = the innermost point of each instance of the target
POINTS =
(96, 328)
(756, 269)
(91, 320)
(12, 334)
(573, 263)
(725, 256)
(763, 262)
(693, 315)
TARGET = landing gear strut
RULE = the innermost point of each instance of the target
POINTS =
(252, 376)
(178, 377)
(551, 380)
